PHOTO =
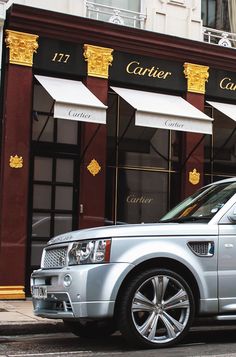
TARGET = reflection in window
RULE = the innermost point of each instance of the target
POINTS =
(141, 196)
(41, 225)
(62, 223)
(36, 252)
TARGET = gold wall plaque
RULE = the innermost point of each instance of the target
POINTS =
(16, 162)
(22, 47)
(194, 177)
(197, 76)
(94, 167)
(99, 59)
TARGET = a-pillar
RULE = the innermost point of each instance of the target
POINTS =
(94, 142)
(192, 155)
(14, 179)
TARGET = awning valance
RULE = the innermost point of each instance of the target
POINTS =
(165, 111)
(228, 109)
(73, 100)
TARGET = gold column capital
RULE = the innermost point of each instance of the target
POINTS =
(22, 47)
(99, 59)
(197, 76)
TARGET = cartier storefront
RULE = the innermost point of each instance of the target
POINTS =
(100, 130)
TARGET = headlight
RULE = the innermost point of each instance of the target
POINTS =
(88, 252)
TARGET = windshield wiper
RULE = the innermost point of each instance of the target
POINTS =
(187, 219)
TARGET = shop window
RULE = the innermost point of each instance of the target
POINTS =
(142, 167)
(220, 149)
(137, 145)
(41, 225)
(42, 196)
(63, 223)
(67, 132)
(64, 170)
(141, 196)
(46, 128)
(54, 201)
(64, 198)
(43, 169)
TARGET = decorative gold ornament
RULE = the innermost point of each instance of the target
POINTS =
(22, 47)
(197, 77)
(94, 167)
(99, 59)
(194, 177)
(16, 162)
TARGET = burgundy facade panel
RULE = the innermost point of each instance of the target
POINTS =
(192, 151)
(93, 147)
(14, 181)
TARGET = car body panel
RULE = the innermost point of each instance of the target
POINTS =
(94, 288)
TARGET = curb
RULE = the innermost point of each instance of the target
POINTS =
(23, 328)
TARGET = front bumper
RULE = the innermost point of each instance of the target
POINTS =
(91, 294)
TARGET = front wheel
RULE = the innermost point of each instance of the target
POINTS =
(156, 309)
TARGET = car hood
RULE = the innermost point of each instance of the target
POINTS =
(137, 230)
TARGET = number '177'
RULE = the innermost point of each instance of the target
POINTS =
(60, 57)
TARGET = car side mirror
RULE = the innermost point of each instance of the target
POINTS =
(232, 215)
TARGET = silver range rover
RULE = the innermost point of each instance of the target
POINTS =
(149, 281)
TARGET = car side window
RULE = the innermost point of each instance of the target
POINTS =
(230, 216)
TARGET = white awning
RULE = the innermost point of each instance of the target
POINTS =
(73, 100)
(165, 111)
(228, 109)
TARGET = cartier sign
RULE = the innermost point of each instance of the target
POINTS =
(221, 84)
(141, 199)
(147, 71)
(136, 68)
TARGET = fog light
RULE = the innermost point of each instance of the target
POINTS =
(67, 280)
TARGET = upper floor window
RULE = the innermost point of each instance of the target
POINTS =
(209, 13)
(219, 14)
(121, 12)
(133, 5)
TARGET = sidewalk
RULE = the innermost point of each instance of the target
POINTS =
(17, 317)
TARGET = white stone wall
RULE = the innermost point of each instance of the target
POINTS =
(180, 18)
(72, 7)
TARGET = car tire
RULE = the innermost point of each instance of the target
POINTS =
(90, 329)
(156, 310)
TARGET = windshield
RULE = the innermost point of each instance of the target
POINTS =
(203, 205)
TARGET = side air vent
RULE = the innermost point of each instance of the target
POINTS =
(202, 249)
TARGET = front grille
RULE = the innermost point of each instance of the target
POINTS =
(54, 258)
